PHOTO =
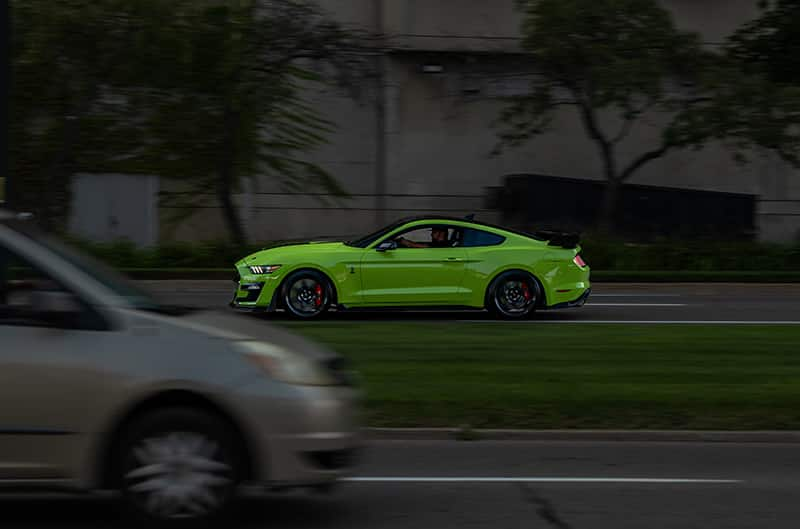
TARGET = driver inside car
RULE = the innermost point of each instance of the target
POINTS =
(438, 240)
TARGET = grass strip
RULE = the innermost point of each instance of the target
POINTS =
(496, 375)
(695, 276)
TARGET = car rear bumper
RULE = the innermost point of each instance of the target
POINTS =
(577, 302)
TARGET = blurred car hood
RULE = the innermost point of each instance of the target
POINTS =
(238, 327)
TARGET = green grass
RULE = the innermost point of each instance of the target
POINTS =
(695, 276)
(496, 375)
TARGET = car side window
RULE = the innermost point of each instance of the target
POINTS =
(472, 238)
(30, 297)
(426, 237)
(418, 235)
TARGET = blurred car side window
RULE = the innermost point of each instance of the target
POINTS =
(23, 288)
(472, 238)
(17, 278)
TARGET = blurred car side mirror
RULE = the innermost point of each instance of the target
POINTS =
(386, 245)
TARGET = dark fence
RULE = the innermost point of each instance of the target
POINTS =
(643, 212)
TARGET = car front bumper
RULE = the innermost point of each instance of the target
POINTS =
(310, 438)
(255, 292)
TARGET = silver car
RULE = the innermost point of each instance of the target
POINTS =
(103, 388)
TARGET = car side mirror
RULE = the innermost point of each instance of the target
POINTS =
(386, 245)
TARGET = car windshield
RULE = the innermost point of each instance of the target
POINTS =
(365, 241)
(109, 278)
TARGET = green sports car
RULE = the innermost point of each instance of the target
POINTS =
(419, 262)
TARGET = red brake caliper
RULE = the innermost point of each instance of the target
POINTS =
(318, 298)
(526, 292)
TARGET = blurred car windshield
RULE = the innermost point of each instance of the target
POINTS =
(108, 277)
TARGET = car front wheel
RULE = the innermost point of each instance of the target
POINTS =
(307, 294)
(177, 468)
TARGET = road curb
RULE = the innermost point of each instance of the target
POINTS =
(671, 436)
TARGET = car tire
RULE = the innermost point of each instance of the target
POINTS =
(513, 295)
(306, 294)
(177, 468)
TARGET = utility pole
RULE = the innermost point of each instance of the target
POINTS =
(380, 117)
(5, 105)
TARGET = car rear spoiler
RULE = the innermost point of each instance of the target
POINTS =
(560, 239)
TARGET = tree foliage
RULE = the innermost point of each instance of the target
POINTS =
(68, 58)
(235, 104)
(765, 98)
(205, 92)
(771, 42)
(617, 62)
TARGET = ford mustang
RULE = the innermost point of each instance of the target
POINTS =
(419, 262)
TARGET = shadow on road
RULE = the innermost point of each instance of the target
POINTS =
(417, 316)
(290, 511)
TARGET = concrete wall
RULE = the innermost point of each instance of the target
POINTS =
(462, 25)
(713, 19)
(110, 207)
(441, 136)
(438, 133)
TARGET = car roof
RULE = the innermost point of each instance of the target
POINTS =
(476, 223)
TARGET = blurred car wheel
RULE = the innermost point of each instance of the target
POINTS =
(513, 295)
(178, 468)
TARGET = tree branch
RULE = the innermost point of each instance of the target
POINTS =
(643, 160)
(590, 122)
(593, 129)
(627, 125)
(630, 118)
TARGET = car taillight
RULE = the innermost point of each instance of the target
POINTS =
(579, 261)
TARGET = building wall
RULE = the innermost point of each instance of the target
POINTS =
(438, 132)
(111, 207)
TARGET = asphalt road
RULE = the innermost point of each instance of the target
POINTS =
(690, 302)
(524, 484)
(512, 484)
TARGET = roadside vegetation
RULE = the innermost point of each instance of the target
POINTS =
(500, 375)
(610, 260)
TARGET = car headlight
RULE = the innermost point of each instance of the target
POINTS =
(263, 269)
(285, 365)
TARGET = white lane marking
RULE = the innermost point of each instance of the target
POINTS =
(635, 304)
(635, 295)
(467, 479)
(643, 322)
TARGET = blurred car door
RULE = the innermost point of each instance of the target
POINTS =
(49, 340)
(414, 276)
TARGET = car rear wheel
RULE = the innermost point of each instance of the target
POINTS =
(513, 295)
(177, 468)
(307, 294)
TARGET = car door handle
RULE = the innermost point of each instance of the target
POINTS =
(453, 260)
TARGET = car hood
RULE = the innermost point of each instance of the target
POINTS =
(289, 248)
(239, 327)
